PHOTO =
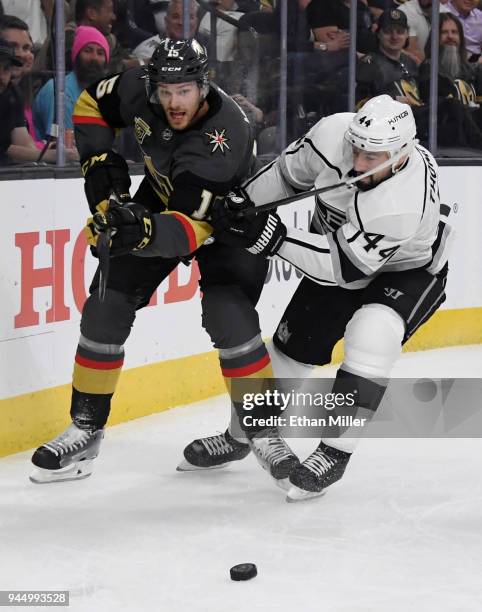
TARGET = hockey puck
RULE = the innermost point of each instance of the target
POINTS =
(243, 571)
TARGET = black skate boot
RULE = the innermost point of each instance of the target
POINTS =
(69, 456)
(322, 468)
(274, 455)
(213, 452)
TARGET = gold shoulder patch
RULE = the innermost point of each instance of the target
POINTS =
(141, 129)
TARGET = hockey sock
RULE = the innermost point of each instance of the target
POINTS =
(247, 361)
(96, 371)
(362, 398)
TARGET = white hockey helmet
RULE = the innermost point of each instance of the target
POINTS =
(383, 124)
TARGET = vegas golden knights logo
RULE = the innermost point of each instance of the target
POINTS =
(141, 129)
(163, 186)
(409, 89)
(465, 92)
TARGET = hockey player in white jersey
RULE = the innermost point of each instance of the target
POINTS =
(374, 261)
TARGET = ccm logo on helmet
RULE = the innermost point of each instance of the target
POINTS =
(171, 68)
(397, 117)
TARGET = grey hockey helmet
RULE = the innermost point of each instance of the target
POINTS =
(383, 124)
(177, 61)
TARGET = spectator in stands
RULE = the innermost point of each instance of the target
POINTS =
(16, 144)
(10, 101)
(94, 13)
(392, 72)
(17, 34)
(32, 12)
(125, 28)
(226, 33)
(329, 21)
(90, 55)
(471, 18)
(150, 14)
(308, 61)
(266, 22)
(310, 65)
(418, 14)
(389, 70)
(173, 29)
(458, 78)
(378, 6)
(100, 14)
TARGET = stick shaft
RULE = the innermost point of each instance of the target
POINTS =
(103, 253)
(249, 212)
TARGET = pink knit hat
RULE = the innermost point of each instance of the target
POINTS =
(85, 35)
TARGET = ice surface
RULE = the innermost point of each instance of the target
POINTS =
(401, 531)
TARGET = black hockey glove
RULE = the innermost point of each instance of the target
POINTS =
(105, 173)
(261, 234)
(131, 228)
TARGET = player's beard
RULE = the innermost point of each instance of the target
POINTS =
(371, 183)
(450, 61)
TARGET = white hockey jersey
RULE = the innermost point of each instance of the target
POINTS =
(355, 235)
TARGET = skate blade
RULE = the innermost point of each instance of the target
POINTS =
(185, 466)
(76, 471)
(295, 494)
(283, 483)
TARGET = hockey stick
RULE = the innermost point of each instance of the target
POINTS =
(103, 250)
(103, 253)
(249, 212)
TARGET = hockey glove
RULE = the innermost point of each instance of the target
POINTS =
(261, 234)
(105, 174)
(131, 228)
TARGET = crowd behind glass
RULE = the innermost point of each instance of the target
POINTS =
(248, 58)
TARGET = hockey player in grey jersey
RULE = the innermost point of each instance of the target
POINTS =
(197, 144)
(374, 260)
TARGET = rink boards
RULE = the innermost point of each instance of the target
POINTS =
(45, 270)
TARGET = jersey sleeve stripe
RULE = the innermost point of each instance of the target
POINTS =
(306, 245)
(288, 178)
(196, 231)
(315, 279)
(258, 174)
(87, 108)
(358, 212)
(83, 120)
(348, 252)
(345, 270)
(426, 181)
(325, 161)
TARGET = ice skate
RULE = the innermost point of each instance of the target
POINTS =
(274, 455)
(212, 452)
(322, 468)
(69, 456)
